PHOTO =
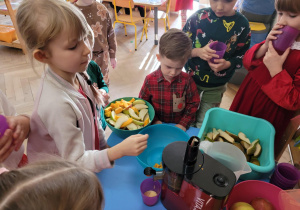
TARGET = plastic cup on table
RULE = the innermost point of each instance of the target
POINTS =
(220, 49)
(3, 125)
(152, 188)
(285, 176)
(286, 38)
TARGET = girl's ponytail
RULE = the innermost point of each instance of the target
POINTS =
(96, 92)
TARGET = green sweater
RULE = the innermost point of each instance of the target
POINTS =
(204, 27)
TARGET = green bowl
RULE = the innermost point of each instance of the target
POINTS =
(125, 133)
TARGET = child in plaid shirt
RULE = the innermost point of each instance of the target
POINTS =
(172, 92)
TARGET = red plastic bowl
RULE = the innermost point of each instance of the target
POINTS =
(246, 191)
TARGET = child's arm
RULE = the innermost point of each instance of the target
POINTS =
(111, 42)
(192, 104)
(282, 88)
(131, 146)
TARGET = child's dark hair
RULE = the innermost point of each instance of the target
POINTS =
(288, 5)
(55, 184)
(175, 45)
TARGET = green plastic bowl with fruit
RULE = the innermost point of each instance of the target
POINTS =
(129, 115)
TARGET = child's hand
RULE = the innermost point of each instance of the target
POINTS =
(273, 60)
(20, 125)
(219, 65)
(6, 145)
(131, 146)
(113, 62)
(273, 33)
(106, 96)
(205, 53)
(181, 127)
(157, 122)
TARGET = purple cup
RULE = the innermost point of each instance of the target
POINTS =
(3, 125)
(220, 49)
(285, 176)
(286, 39)
(150, 184)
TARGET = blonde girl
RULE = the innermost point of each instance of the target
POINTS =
(64, 119)
(49, 185)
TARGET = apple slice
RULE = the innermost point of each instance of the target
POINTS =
(133, 115)
(139, 101)
(132, 126)
(140, 106)
(143, 113)
(137, 122)
(120, 121)
(113, 116)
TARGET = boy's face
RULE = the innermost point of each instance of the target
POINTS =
(170, 68)
(223, 7)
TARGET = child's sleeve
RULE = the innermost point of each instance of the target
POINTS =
(111, 37)
(192, 104)
(249, 61)
(243, 45)
(284, 90)
(96, 76)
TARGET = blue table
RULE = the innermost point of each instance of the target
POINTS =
(121, 184)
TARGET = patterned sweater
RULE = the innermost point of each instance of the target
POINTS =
(204, 27)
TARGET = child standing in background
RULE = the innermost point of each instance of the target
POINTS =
(55, 184)
(64, 121)
(183, 5)
(271, 89)
(220, 23)
(172, 92)
(105, 44)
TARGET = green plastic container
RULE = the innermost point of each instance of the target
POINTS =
(125, 133)
(254, 128)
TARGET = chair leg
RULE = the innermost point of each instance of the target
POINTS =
(165, 20)
(146, 30)
(135, 37)
(168, 21)
(125, 29)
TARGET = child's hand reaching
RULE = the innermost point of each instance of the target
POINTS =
(20, 126)
(131, 146)
(113, 62)
(181, 127)
(105, 96)
(273, 60)
(219, 65)
(6, 145)
(204, 53)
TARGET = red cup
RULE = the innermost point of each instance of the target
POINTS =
(3, 125)
(286, 38)
(285, 176)
(150, 185)
(220, 49)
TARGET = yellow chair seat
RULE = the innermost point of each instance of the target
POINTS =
(127, 18)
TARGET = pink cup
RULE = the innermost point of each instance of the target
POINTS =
(3, 125)
(285, 176)
(150, 184)
(286, 39)
(220, 49)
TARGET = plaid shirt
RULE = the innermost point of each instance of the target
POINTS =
(164, 96)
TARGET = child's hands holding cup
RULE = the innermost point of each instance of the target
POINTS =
(205, 53)
(219, 65)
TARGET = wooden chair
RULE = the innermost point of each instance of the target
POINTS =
(292, 131)
(163, 15)
(11, 11)
(129, 19)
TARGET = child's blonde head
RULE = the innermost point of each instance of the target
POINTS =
(175, 45)
(51, 185)
(288, 5)
(40, 21)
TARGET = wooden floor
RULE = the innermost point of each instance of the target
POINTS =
(20, 82)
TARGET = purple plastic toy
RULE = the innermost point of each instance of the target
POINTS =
(220, 49)
(150, 184)
(286, 39)
(3, 125)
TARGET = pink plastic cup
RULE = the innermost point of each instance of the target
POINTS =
(286, 39)
(150, 184)
(3, 125)
(285, 176)
(220, 49)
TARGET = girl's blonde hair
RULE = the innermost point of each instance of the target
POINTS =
(40, 21)
(50, 185)
(288, 5)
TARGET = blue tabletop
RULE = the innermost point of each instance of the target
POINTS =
(121, 184)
